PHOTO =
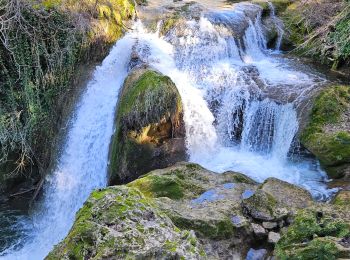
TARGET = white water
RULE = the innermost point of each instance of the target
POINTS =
(82, 167)
(233, 122)
(279, 26)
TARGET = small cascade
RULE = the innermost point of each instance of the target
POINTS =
(269, 128)
(278, 24)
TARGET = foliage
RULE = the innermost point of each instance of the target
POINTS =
(42, 43)
(320, 29)
(309, 237)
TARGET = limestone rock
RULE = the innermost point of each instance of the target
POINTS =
(259, 231)
(150, 129)
(262, 206)
(273, 237)
(119, 222)
(270, 225)
(286, 193)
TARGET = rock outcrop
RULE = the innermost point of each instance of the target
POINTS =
(188, 212)
(150, 129)
(327, 135)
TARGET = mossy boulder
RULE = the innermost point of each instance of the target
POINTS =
(186, 211)
(319, 232)
(149, 126)
(327, 134)
(121, 223)
(275, 200)
(287, 194)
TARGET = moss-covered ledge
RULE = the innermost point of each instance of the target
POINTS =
(149, 126)
(327, 134)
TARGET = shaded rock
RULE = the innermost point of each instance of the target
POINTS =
(270, 225)
(263, 206)
(259, 231)
(286, 193)
(327, 134)
(150, 128)
(119, 222)
(273, 237)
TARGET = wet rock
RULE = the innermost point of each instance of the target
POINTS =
(270, 225)
(259, 231)
(150, 129)
(273, 237)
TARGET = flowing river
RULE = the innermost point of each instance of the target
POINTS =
(243, 105)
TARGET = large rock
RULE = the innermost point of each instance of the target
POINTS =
(327, 135)
(150, 128)
(275, 201)
(185, 211)
(120, 223)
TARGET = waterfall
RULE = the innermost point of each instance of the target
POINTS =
(278, 25)
(240, 111)
(239, 100)
(82, 166)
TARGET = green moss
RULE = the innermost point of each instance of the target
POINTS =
(169, 23)
(214, 229)
(298, 241)
(331, 148)
(342, 198)
(137, 115)
(280, 5)
(160, 186)
(320, 249)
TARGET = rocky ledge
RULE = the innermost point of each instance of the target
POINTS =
(188, 212)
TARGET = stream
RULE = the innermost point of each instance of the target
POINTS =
(243, 108)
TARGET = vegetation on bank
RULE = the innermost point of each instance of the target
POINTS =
(313, 235)
(320, 29)
(42, 43)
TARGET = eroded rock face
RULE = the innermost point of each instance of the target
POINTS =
(150, 129)
(186, 211)
(327, 135)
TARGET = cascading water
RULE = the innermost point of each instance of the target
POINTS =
(82, 166)
(240, 110)
(240, 101)
(278, 25)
